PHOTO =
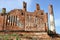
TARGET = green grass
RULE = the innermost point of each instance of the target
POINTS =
(5, 37)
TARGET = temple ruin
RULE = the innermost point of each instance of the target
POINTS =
(28, 25)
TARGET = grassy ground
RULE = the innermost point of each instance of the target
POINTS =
(9, 36)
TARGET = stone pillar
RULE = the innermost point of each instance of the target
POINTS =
(24, 6)
(16, 20)
(52, 23)
(46, 23)
(3, 13)
(13, 20)
(37, 7)
(9, 20)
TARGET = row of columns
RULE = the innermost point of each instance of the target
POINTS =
(11, 20)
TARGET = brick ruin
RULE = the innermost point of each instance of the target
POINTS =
(28, 25)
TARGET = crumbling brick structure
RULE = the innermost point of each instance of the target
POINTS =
(28, 25)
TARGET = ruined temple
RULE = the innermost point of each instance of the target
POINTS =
(28, 25)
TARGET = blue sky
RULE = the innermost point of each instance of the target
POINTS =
(31, 6)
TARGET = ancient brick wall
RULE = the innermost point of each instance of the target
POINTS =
(29, 21)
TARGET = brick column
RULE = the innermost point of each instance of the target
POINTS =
(24, 6)
(4, 12)
(52, 23)
(37, 7)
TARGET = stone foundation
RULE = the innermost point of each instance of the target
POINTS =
(27, 36)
